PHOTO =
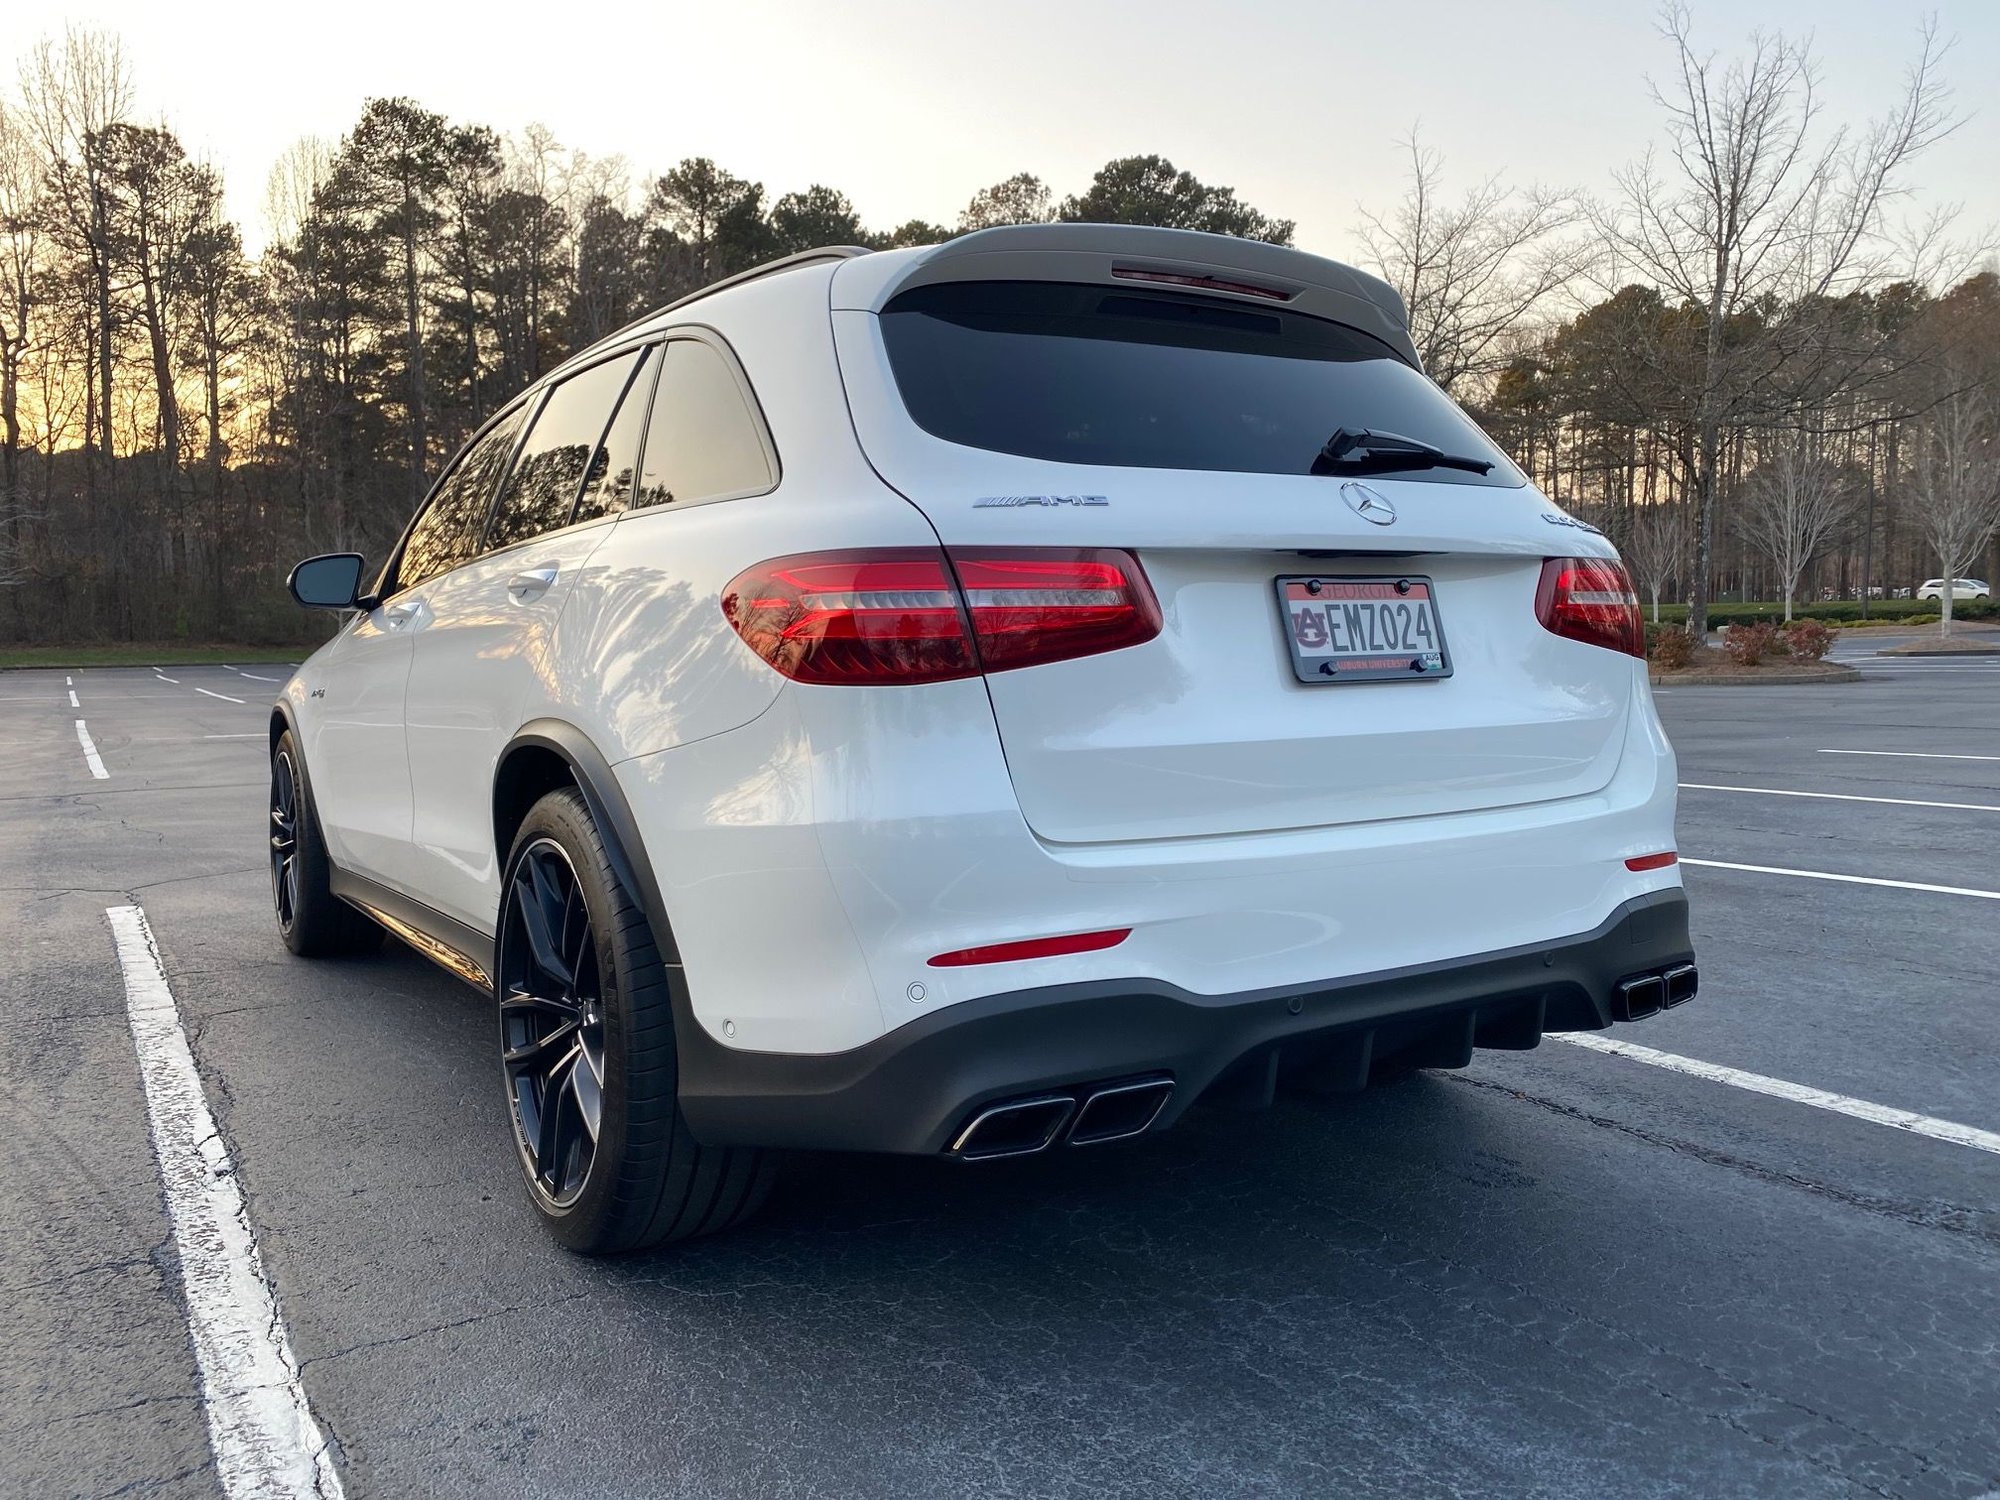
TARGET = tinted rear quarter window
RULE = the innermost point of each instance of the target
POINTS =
(447, 533)
(1099, 375)
(703, 441)
(607, 489)
(559, 451)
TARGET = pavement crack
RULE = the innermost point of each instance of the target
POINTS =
(153, 885)
(1950, 1218)
(431, 1330)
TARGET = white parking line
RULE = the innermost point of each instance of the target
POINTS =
(253, 676)
(265, 1440)
(1901, 885)
(223, 696)
(72, 699)
(90, 756)
(165, 678)
(1911, 754)
(233, 736)
(1798, 1093)
(1771, 791)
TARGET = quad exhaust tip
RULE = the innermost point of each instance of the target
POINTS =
(1649, 994)
(1021, 1127)
(1117, 1114)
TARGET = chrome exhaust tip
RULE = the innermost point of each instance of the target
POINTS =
(1018, 1127)
(1119, 1113)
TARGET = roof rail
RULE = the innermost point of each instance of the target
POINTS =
(755, 273)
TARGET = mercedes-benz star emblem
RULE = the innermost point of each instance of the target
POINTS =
(1370, 505)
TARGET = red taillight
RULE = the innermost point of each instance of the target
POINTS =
(1029, 608)
(918, 615)
(1652, 861)
(1592, 600)
(1047, 947)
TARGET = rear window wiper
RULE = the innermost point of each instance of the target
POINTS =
(1350, 451)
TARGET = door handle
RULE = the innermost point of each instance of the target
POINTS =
(530, 584)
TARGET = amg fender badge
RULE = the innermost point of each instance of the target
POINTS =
(1010, 501)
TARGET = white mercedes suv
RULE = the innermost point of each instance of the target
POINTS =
(980, 700)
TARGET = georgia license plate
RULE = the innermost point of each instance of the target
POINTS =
(1363, 629)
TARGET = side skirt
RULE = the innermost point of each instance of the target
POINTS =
(450, 944)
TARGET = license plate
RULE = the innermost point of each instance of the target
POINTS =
(1377, 629)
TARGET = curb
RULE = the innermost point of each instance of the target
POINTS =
(1767, 679)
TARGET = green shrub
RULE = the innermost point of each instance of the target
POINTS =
(1838, 610)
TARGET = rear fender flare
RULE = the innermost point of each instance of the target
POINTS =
(612, 814)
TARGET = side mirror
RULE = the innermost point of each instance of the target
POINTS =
(331, 581)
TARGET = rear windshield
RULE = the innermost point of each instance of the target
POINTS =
(1099, 375)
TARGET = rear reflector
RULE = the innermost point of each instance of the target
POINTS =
(1591, 599)
(1048, 947)
(1653, 861)
(920, 615)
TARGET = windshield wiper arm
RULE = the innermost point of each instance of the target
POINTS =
(1352, 452)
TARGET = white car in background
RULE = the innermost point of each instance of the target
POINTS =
(1961, 589)
(979, 700)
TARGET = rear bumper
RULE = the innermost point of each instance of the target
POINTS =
(914, 1089)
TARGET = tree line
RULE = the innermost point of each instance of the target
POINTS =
(1732, 366)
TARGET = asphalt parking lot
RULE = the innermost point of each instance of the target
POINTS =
(1559, 1273)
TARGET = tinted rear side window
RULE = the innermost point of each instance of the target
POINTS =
(547, 477)
(607, 489)
(703, 442)
(447, 533)
(1097, 375)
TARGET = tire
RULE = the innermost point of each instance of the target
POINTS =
(586, 1020)
(313, 921)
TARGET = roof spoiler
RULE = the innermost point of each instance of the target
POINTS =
(1218, 265)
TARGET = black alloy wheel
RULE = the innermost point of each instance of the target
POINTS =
(285, 839)
(551, 1022)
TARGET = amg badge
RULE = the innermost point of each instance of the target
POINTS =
(1009, 501)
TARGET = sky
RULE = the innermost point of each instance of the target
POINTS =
(909, 108)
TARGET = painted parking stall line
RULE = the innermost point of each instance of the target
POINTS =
(1900, 885)
(223, 696)
(1797, 1093)
(165, 678)
(90, 756)
(1912, 754)
(260, 1427)
(72, 699)
(1771, 791)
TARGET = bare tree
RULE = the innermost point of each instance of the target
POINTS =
(1656, 547)
(1956, 493)
(1755, 206)
(72, 95)
(21, 267)
(1471, 271)
(1794, 502)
